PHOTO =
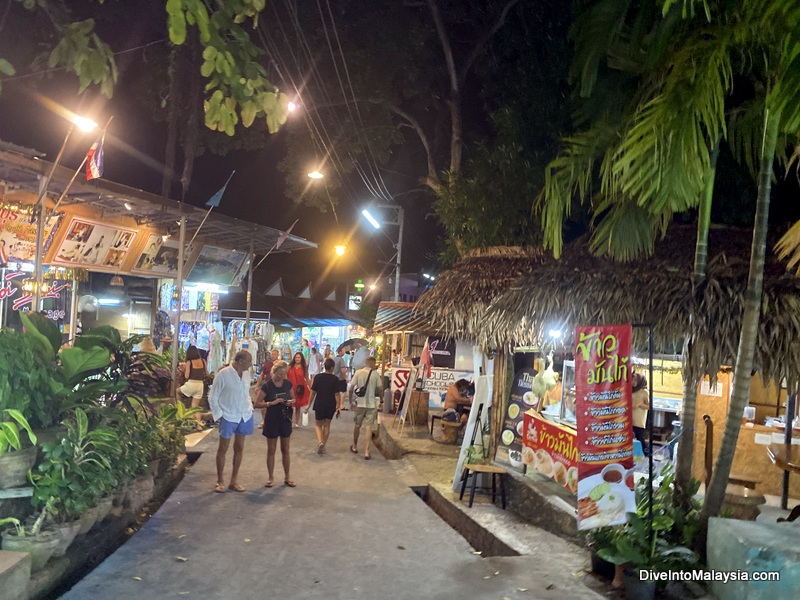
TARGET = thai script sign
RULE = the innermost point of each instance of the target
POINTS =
(550, 449)
(605, 429)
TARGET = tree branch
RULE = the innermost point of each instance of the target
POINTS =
(501, 20)
(432, 178)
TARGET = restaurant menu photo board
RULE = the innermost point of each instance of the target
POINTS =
(550, 449)
(92, 244)
(605, 429)
(509, 451)
(18, 235)
(160, 257)
(218, 266)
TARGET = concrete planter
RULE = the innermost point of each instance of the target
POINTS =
(40, 546)
(140, 492)
(87, 520)
(14, 467)
(66, 533)
(103, 508)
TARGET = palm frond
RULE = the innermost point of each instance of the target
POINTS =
(626, 231)
(788, 247)
(745, 131)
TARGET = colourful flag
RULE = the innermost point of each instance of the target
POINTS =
(284, 235)
(94, 159)
(213, 202)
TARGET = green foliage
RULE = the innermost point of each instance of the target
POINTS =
(67, 478)
(82, 52)
(172, 422)
(9, 431)
(674, 530)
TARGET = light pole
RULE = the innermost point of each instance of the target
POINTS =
(83, 124)
(397, 217)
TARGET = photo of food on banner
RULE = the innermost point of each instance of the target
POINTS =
(603, 374)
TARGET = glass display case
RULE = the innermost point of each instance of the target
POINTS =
(567, 412)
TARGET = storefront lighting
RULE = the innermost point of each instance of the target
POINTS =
(212, 288)
(128, 206)
(117, 281)
(109, 302)
(555, 334)
(164, 238)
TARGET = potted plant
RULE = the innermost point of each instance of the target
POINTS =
(173, 422)
(634, 548)
(15, 458)
(40, 543)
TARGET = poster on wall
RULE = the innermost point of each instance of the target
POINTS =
(605, 429)
(218, 266)
(442, 352)
(159, 257)
(509, 451)
(550, 449)
(92, 244)
(18, 235)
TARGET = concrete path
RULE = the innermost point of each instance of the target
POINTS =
(350, 529)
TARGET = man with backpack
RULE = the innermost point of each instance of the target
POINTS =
(366, 390)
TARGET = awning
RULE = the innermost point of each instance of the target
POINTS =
(21, 171)
(400, 316)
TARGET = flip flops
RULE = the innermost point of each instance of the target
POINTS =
(290, 483)
(269, 483)
(367, 457)
(320, 448)
(353, 449)
(219, 488)
(235, 487)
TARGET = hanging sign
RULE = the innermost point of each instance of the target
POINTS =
(160, 257)
(550, 449)
(18, 234)
(93, 244)
(605, 429)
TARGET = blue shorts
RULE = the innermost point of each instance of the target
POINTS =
(228, 428)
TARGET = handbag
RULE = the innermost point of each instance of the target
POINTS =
(361, 390)
(300, 390)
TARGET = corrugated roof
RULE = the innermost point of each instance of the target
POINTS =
(400, 316)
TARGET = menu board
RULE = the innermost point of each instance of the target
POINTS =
(509, 451)
(550, 449)
(92, 244)
(605, 429)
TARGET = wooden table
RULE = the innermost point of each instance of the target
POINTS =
(786, 457)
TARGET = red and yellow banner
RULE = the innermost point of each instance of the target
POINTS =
(605, 429)
(550, 449)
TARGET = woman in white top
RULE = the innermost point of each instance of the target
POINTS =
(314, 363)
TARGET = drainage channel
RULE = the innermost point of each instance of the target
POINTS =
(476, 535)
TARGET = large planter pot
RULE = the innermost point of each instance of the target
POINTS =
(87, 520)
(602, 567)
(66, 532)
(635, 589)
(14, 467)
(40, 546)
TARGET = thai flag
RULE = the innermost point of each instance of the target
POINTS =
(94, 160)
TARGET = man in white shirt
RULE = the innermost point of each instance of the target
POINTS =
(367, 405)
(231, 405)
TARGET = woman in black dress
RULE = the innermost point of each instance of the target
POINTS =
(323, 398)
(277, 396)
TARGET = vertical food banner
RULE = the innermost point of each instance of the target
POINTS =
(509, 451)
(605, 429)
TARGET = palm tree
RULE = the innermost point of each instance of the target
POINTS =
(662, 161)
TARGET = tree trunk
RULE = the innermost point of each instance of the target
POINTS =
(173, 114)
(715, 494)
(194, 103)
(683, 473)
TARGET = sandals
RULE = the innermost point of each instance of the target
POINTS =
(236, 487)
(367, 457)
(320, 448)
(219, 488)
(353, 449)
(269, 483)
(290, 483)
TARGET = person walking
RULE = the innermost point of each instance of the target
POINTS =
(301, 383)
(230, 404)
(277, 396)
(367, 390)
(323, 398)
(195, 371)
(314, 363)
(340, 370)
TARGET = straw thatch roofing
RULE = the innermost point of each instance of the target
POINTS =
(583, 289)
(400, 316)
(457, 304)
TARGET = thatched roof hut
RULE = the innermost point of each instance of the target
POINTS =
(584, 289)
(457, 304)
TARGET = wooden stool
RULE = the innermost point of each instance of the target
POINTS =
(483, 469)
(433, 420)
(742, 479)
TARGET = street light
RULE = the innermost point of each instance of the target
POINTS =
(316, 175)
(85, 125)
(340, 250)
(397, 219)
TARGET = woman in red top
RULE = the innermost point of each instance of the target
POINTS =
(301, 384)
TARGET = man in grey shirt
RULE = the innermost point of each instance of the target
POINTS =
(367, 378)
(340, 370)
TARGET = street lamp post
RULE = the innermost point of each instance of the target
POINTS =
(84, 125)
(397, 218)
